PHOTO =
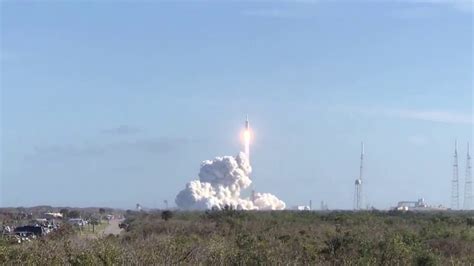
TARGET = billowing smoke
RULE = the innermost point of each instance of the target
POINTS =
(220, 183)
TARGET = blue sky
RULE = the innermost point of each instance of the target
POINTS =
(110, 104)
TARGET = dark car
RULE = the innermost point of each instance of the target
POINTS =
(123, 226)
(29, 230)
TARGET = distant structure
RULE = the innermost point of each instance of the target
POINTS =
(455, 181)
(324, 206)
(419, 205)
(468, 183)
(301, 208)
(358, 183)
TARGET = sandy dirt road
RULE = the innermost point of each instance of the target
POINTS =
(113, 227)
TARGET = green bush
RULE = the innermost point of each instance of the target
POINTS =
(249, 238)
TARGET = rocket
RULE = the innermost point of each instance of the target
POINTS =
(247, 123)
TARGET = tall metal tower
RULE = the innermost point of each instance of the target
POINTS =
(455, 181)
(468, 183)
(358, 196)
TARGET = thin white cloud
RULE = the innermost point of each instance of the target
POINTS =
(420, 12)
(465, 6)
(460, 5)
(438, 116)
(271, 13)
(422, 8)
(433, 116)
(122, 130)
(155, 146)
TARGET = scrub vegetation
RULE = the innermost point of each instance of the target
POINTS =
(270, 238)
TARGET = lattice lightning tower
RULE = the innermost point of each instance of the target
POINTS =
(358, 196)
(455, 181)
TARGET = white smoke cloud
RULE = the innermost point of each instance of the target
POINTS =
(267, 201)
(220, 184)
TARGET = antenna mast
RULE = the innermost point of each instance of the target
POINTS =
(455, 181)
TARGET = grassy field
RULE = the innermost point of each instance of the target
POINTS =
(250, 238)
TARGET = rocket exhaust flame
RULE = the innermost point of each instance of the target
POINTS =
(247, 138)
(247, 144)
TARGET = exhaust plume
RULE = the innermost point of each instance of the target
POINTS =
(220, 184)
